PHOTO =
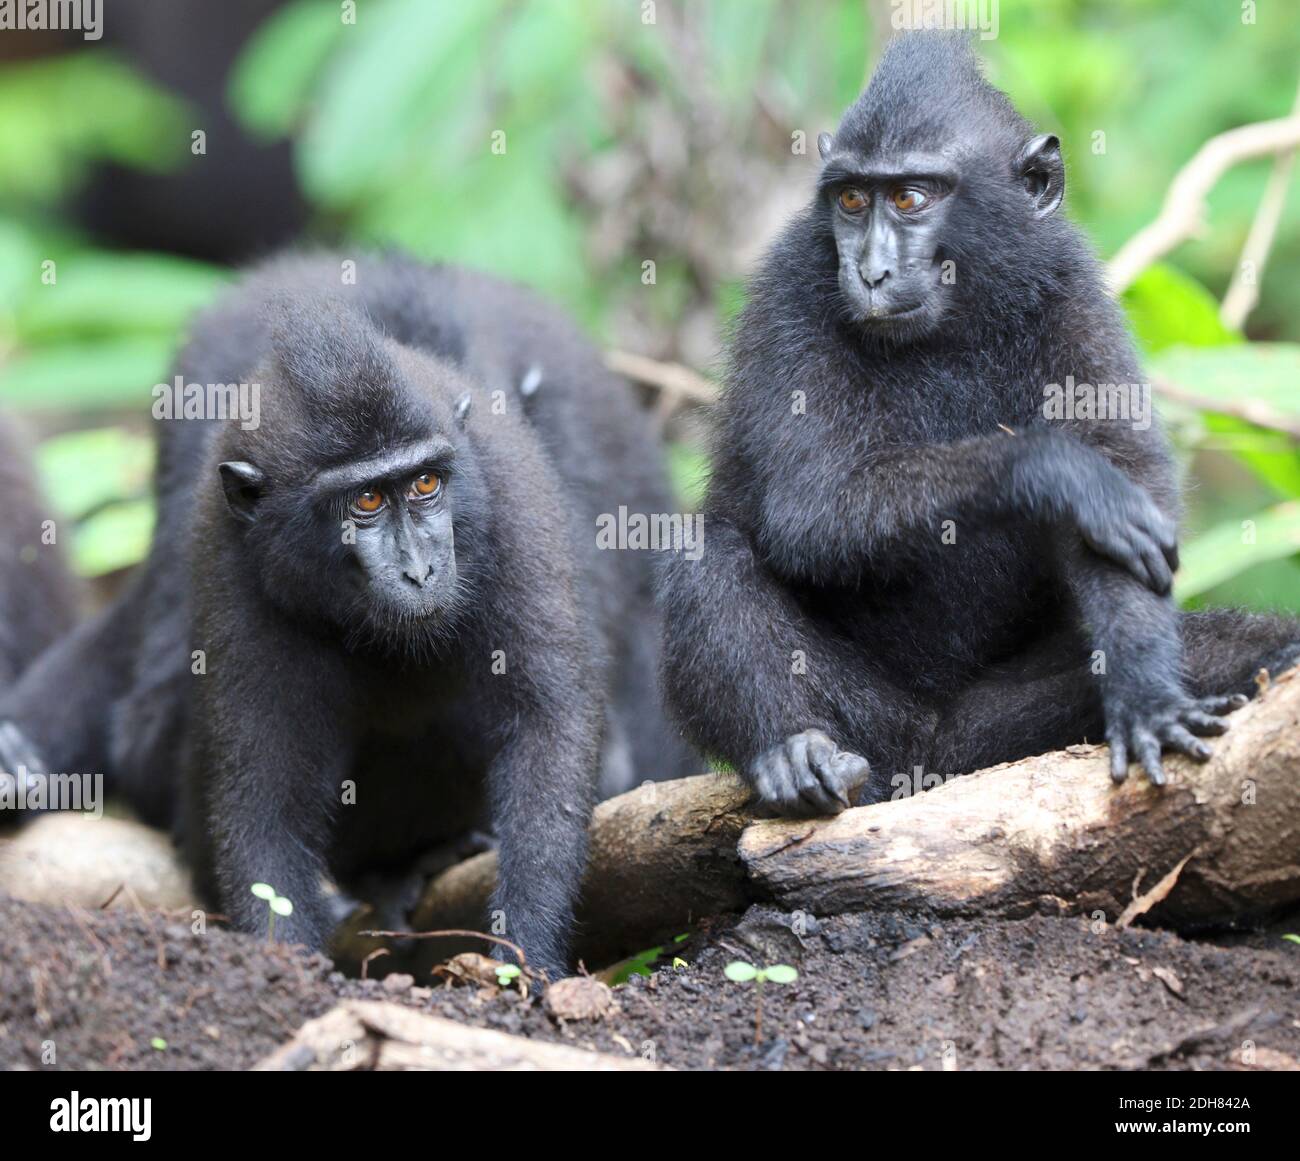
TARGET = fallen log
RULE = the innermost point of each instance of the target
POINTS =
(662, 856)
(385, 1037)
(1048, 834)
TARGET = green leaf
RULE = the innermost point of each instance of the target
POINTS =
(84, 471)
(1236, 545)
(60, 113)
(1292, 938)
(281, 906)
(158, 1044)
(396, 91)
(1252, 375)
(1167, 307)
(640, 964)
(105, 373)
(1264, 373)
(263, 891)
(271, 81)
(115, 295)
(740, 972)
(476, 220)
(507, 972)
(114, 538)
(781, 973)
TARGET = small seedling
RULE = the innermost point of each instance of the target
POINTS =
(1292, 938)
(740, 972)
(158, 1044)
(507, 973)
(275, 905)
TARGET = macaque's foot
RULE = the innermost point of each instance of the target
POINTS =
(1141, 736)
(807, 775)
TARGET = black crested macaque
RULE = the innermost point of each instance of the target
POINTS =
(380, 613)
(909, 560)
(38, 596)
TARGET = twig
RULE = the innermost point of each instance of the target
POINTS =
(1182, 214)
(451, 931)
(1141, 904)
(1243, 292)
(365, 963)
(675, 382)
(1251, 410)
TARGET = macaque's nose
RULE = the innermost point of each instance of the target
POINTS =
(873, 274)
(417, 572)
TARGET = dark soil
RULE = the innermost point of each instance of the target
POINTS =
(879, 991)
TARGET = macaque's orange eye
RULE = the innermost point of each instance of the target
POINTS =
(907, 199)
(426, 484)
(852, 201)
(369, 502)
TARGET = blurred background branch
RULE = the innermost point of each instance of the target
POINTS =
(1183, 214)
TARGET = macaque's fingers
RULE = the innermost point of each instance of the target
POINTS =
(1228, 703)
(1177, 737)
(1171, 556)
(1206, 725)
(1146, 750)
(1157, 568)
(1118, 755)
(784, 779)
(852, 772)
(820, 756)
(807, 775)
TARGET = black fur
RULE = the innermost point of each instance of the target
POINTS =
(827, 621)
(38, 597)
(311, 681)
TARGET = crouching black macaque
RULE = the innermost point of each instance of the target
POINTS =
(38, 597)
(908, 560)
(381, 612)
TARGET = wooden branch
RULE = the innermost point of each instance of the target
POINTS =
(1182, 214)
(1243, 291)
(1046, 834)
(676, 383)
(1251, 410)
(367, 1035)
(663, 854)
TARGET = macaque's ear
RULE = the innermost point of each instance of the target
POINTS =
(825, 143)
(243, 485)
(461, 410)
(1040, 167)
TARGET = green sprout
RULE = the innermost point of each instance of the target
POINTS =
(507, 973)
(740, 972)
(1292, 938)
(275, 905)
(158, 1044)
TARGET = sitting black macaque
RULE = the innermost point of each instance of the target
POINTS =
(38, 596)
(379, 612)
(910, 559)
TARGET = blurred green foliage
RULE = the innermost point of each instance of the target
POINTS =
(485, 131)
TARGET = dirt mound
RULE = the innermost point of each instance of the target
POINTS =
(124, 990)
